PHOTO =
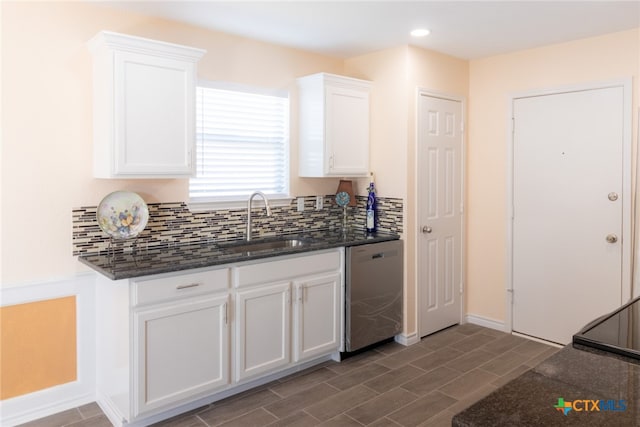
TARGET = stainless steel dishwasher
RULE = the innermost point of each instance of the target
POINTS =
(373, 293)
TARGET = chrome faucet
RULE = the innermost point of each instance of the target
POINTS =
(266, 204)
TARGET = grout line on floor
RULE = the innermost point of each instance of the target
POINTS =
(202, 421)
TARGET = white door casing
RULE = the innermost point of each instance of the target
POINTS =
(570, 191)
(440, 173)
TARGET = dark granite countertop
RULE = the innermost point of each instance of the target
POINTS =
(164, 259)
(575, 373)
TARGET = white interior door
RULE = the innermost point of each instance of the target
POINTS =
(440, 212)
(568, 187)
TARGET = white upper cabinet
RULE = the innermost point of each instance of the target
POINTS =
(334, 126)
(143, 107)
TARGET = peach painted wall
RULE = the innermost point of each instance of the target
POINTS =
(397, 73)
(37, 346)
(492, 81)
(47, 121)
(388, 143)
(387, 70)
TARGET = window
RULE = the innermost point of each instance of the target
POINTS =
(242, 138)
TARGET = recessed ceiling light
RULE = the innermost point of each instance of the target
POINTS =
(420, 32)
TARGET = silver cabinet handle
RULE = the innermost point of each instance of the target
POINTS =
(612, 238)
(190, 285)
(427, 229)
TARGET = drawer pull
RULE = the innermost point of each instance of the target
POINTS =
(190, 285)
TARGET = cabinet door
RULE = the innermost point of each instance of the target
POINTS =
(317, 316)
(180, 351)
(154, 115)
(346, 131)
(263, 331)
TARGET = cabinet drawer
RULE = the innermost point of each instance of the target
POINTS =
(271, 271)
(178, 286)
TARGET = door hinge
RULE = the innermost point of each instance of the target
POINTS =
(461, 126)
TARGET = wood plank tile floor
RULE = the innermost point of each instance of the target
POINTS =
(391, 385)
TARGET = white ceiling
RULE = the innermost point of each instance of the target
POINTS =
(464, 29)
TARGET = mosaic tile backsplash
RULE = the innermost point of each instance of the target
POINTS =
(173, 224)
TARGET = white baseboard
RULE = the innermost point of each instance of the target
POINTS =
(407, 340)
(18, 410)
(486, 322)
(42, 403)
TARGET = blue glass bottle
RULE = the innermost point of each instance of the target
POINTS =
(371, 209)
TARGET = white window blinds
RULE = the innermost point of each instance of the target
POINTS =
(242, 144)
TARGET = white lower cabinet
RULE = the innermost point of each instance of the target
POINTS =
(168, 342)
(268, 336)
(263, 324)
(180, 350)
(317, 316)
(287, 311)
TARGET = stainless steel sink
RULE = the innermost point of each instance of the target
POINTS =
(258, 245)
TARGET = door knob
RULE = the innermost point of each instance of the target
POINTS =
(427, 229)
(613, 196)
(612, 238)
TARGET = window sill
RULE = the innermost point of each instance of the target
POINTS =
(209, 205)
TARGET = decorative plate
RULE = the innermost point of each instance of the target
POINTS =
(342, 199)
(122, 214)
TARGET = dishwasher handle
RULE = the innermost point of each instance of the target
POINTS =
(369, 256)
